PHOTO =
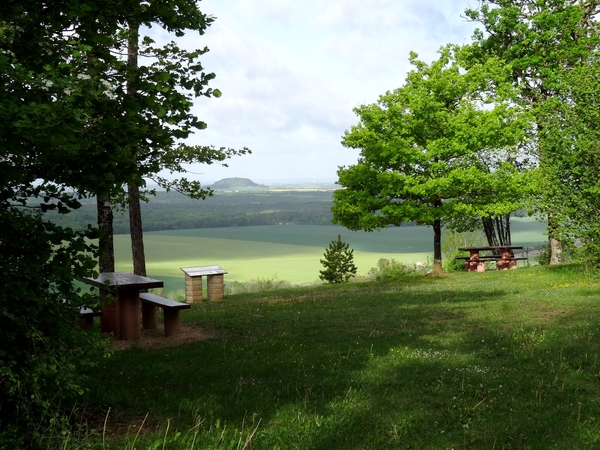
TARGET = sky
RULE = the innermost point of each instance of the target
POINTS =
(291, 72)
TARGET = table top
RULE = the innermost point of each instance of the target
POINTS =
(491, 247)
(203, 270)
(123, 280)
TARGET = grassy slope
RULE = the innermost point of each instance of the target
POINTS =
(291, 253)
(470, 360)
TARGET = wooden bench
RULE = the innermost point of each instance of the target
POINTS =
(500, 262)
(86, 318)
(492, 258)
(171, 308)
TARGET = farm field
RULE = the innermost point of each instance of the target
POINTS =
(288, 252)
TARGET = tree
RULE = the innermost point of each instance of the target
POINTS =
(572, 138)
(52, 151)
(70, 130)
(157, 98)
(338, 262)
(423, 148)
(539, 41)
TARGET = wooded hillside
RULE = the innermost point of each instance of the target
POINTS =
(173, 211)
(236, 183)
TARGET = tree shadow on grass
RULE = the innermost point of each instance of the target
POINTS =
(377, 367)
(527, 388)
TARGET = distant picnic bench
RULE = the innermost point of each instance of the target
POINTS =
(504, 259)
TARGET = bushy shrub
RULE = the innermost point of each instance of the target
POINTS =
(543, 257)
(259, 285)
(390, 269)
(451, 264)
(452, 241)
(41, 346)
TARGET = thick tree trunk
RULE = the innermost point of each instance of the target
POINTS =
(135, 230)
(554, 244)
(106, 262)
(553, 240)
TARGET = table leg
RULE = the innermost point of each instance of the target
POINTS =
(504, 263)
(474, 264)
(149, 316)
(129, 314)
(109, 321)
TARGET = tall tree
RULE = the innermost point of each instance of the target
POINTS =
(53, 150)
(157, 100)
(539, 39)
(138, 254)
(421, 148)
(572, 138)
(68, 129)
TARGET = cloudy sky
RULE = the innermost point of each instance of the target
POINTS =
(291, 71)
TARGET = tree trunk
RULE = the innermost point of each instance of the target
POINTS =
(437, 248)
(553, 240)
(135, 213)
(106, 262)
(135, 230)
(497, 230)
(554, 244)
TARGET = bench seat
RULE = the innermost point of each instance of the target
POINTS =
(481, 258)
(492, 258)
(500, 263)
(171, 308)
(86, 318)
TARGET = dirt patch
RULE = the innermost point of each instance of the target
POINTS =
(156, 338)
(551, 315)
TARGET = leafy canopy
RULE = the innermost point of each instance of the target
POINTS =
(443, 146)
(70, 127)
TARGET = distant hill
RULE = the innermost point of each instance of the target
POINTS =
(231, 184)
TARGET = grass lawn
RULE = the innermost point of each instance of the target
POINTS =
(494, 360)
(291, 253)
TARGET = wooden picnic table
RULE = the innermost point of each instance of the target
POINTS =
(506, 259)
(124, 316)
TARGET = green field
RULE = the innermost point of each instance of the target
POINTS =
(289, 252)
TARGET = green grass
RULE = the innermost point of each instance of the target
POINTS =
(290, 253)
(494, 360)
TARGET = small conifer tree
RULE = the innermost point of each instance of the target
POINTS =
(338, 262)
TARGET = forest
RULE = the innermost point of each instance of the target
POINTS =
(174, 211)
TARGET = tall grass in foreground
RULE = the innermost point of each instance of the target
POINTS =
(494, 360)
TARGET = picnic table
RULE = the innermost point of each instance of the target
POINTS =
(124, 316)
(506, 260)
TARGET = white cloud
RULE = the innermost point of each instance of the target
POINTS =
(291, 72)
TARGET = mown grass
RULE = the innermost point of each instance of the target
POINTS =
(494, 360)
